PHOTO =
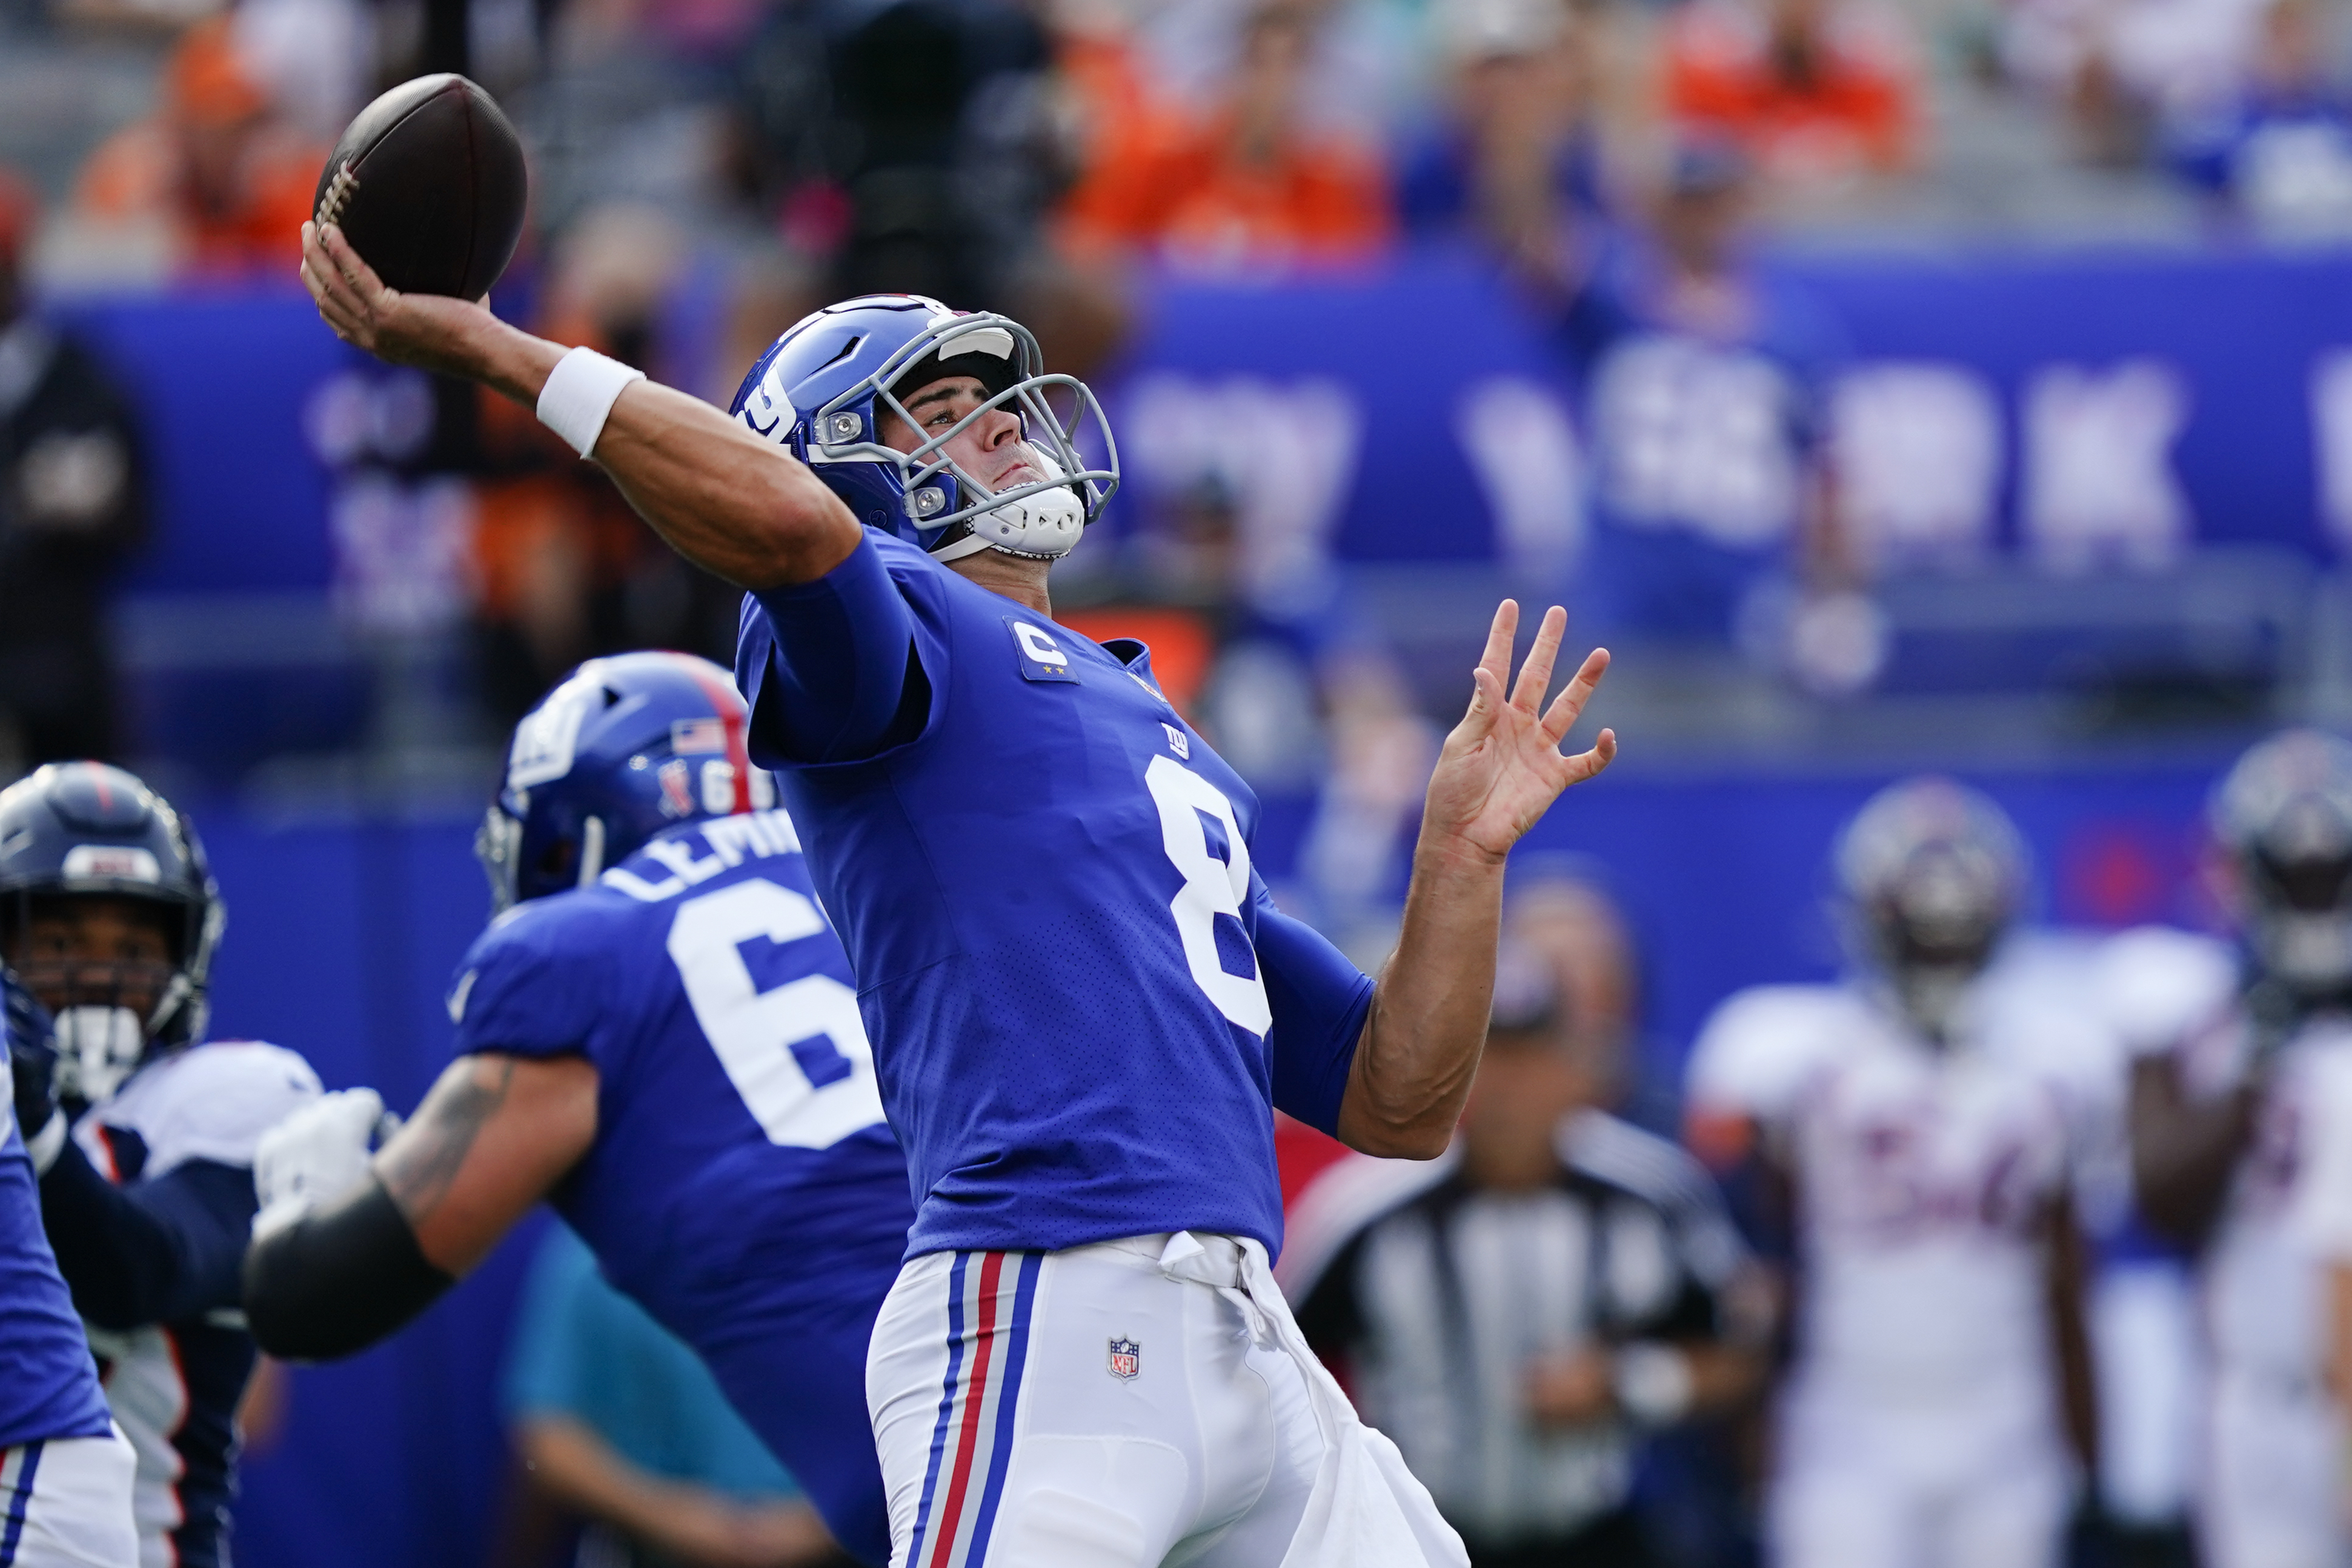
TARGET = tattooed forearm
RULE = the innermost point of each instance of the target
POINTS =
(418, 1167)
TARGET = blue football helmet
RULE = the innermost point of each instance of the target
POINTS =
(74, 830)
(2284, 816)
(621, 749)
(820, 390)
(1931, 873)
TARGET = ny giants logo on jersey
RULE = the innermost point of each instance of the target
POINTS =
(1126, 1360)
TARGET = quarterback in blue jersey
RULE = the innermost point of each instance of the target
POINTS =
(1084, 1007)
(142, 1130)
(659, 1036)
(65, 1470)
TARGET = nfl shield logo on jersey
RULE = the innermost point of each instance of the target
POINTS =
(1126, 1359)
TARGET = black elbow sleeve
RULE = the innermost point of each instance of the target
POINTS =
(336, 1281)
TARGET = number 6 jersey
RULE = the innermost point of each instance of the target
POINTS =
(742, 1187)
(1082, 1000)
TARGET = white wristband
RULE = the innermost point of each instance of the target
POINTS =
(1653, 1383)
(579, 396)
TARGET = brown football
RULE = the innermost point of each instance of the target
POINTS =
(428, 185)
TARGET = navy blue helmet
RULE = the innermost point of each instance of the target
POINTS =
(820, 391)
(87, 829)
(621, 749)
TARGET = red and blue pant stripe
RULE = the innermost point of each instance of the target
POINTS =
(990, 1295)
(18, 1490)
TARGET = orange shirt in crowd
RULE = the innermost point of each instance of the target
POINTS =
(1185, 188)
(213, 166)
(1193, 199)
(1856, 110)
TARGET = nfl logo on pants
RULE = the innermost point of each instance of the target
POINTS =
(1126, 1359)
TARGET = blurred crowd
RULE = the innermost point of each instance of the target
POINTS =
(705, 174)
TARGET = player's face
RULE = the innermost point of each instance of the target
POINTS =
(990, 449)
(93, 951)
(1526, 1083)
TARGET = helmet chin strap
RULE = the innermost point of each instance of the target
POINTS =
(97, 1049)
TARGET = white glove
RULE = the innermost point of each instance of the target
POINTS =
(317, 1155)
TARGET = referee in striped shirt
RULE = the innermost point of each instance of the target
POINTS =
(1520, 1314)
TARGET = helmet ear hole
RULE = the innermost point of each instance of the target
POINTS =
(556, 860)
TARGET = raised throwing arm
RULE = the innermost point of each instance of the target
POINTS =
(725, 500)
(1498, 771)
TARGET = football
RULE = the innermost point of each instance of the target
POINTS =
(428, 185)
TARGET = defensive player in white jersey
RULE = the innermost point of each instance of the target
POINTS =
(143, 1133)
(2240, 1103)
(1939, 1366)
(1083, 1003)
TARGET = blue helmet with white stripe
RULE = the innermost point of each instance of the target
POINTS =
(621, 749)
(821, 390)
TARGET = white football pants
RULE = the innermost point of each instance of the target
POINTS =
(66, 1504)
(1126, 1405)
(1866, 1489)
(2271, 1497)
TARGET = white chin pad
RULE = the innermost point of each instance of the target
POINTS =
(1046, 525)
(101, 1047)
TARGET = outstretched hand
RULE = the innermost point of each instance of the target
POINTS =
(427, 331)
(1501, 768)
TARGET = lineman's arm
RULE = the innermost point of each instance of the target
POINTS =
(725, 500)
(496, 1133)
(2067, 1274)
(2183, 1148)
(1498, 771)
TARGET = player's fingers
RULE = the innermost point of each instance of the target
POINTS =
(1568, 706)
(1586, 763)
(352, 265)
(1535, 675)
(1500, 634)
(1486, 701)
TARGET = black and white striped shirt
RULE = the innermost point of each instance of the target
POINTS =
(1435, 1295)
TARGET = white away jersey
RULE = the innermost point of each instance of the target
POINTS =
(1920, 1174)
(174, 1387)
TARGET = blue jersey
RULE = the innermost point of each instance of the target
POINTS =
(743, 1187)
(51, 1387)
(1083, 1004)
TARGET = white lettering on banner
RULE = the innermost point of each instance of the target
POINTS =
(1285, 452)
(1523, 449)
(1687, 435)
(2331, 423)
(1212, 887)
(1916, 449)
(2099, 485)
(753, 1032)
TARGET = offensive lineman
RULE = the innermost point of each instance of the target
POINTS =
(143, 1133)
(658, 1034)
(1926, 1160)
(2241, 1104)
(1084, 1004)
